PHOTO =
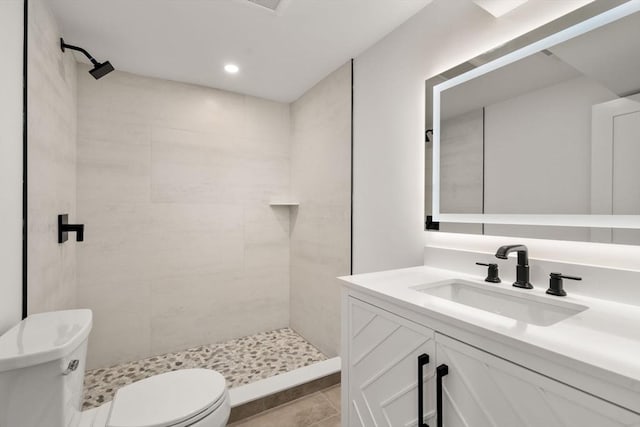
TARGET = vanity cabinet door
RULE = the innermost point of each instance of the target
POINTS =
(383, 351)
(482, 390)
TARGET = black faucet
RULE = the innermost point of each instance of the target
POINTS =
(522, 270)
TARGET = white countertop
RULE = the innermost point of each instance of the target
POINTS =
(603, 340)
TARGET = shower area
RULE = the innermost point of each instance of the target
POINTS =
(215, 223)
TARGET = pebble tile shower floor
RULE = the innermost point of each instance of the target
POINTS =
(240, 361)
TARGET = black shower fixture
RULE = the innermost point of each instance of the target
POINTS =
(99, 69)
(428, 135)
(64, 228)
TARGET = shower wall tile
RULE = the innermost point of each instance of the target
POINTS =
(320, 226)
(116, 245)
(320, 253)
(165, 103)
(174, 182)
(208, 309)
(266, 290)
(52, 155)
(187, 172)
(187, 309)
(202, 167)
(113, 170)
(267, 121)
(266, 235)
(195, 238)
(191, 107)
(121, 318)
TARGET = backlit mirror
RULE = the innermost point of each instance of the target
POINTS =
(544, 141)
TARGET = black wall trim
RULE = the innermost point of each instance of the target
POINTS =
(24, 157)
(484, 159)
(351, 228)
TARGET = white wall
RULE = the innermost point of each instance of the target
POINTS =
(320, 226)
(526, 169)
(181, 246)
(461, 165)
(461, 144)
(389, 119)
(548, 155)
(11, 43)
(52, 130)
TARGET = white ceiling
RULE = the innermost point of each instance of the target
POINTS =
(499, 7)
(529, 74)
(280, 54)
(609, 55)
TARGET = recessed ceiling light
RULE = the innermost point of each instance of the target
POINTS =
(231, 68)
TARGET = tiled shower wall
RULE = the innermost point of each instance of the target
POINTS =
(320, 227)
(11, 82)
(52, 158)
(173, 183)
(181, 246)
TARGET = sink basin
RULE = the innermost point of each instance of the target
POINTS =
(532, 309)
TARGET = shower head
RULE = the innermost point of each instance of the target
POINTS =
(99, 69)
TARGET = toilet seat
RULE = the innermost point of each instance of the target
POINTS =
(174, 399)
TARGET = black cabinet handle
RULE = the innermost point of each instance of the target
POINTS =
(423, 359)
(441, 371)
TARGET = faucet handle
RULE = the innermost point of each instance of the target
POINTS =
(555, 284)
(492, 272)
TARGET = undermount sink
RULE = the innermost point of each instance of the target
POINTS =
(532, 309)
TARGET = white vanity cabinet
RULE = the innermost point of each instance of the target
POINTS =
(382, 360)
(478, 389)
(481, 389)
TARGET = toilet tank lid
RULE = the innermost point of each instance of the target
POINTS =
(44, 337)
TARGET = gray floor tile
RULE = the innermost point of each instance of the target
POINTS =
(305, 412)
(333, 394)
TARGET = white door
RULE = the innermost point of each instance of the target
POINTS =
(482, 390)
(614, 165)
(383, 368)
(626, 173)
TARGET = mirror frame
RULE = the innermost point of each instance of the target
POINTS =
(587, 220)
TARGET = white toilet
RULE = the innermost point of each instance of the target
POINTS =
(42, 362)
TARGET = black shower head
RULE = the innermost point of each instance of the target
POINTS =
(99, 69)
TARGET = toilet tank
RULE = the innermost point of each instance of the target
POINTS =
(42, 363)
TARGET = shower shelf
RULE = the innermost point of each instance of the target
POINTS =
(284, 203)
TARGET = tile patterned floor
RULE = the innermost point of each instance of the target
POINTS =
(241, 361)
(320, 409)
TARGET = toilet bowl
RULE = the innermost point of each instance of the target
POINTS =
(42, 363)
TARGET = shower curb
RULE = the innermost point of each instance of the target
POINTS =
(260, 396)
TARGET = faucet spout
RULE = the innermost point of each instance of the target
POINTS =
(522, 269)
(523, 253)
